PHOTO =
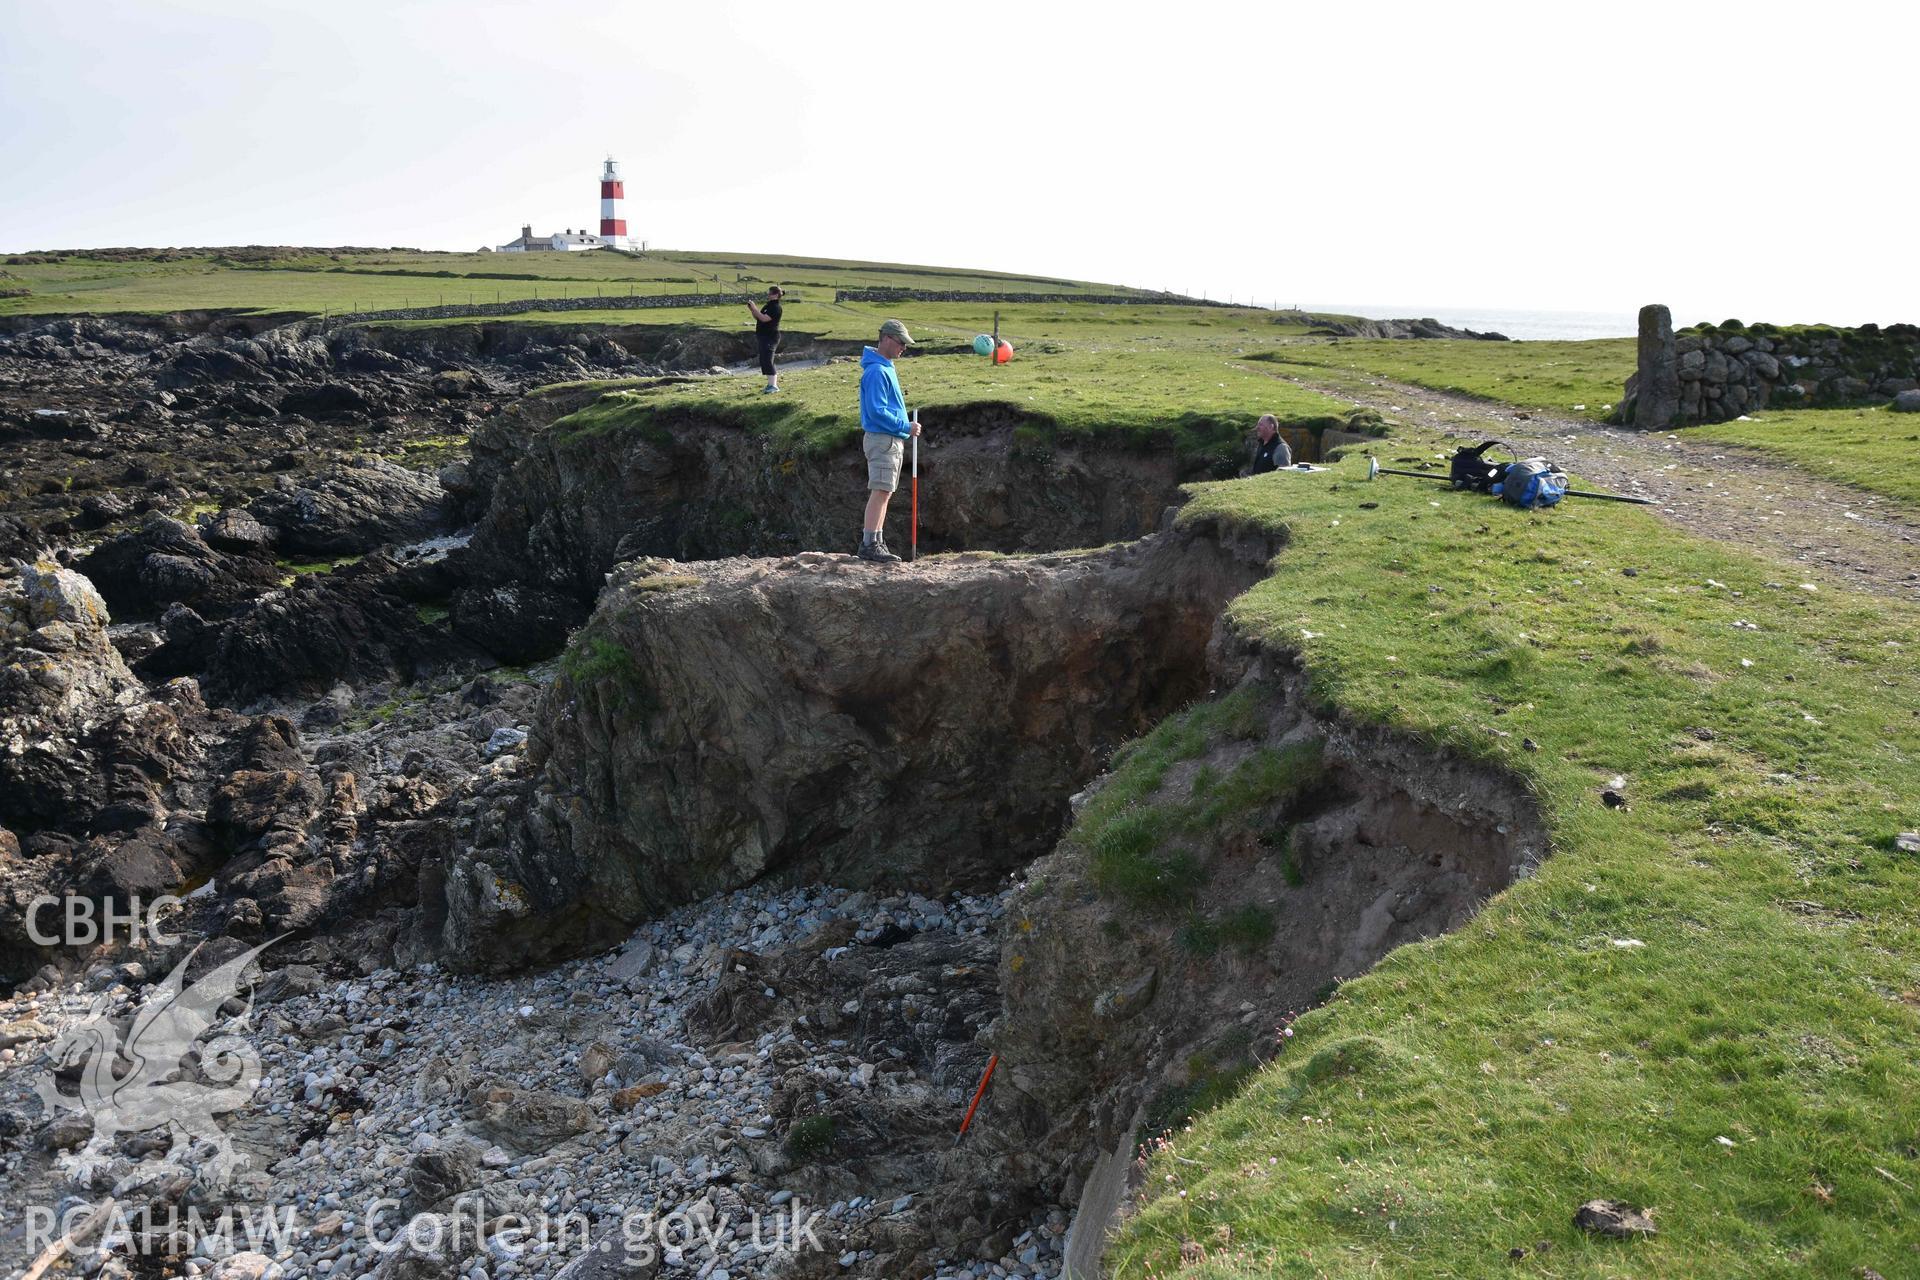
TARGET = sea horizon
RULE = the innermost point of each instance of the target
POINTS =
(1513, 322)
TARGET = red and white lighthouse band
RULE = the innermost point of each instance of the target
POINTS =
(613, 226)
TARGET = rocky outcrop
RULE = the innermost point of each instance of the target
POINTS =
(232, 616)
(164, 562)
(19, 540)
(321, 629)
(274, 356)
(117, 793)
(94, 770)
(235, 532)
(1422, 328)
(517, 622)
(300, 639)
(328, 840)
(78, 732)
(352, 507)
(1714, 373)
(715, 725)
(107, 419)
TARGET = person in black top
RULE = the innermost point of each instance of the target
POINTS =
(766, 328)
(1270, 452)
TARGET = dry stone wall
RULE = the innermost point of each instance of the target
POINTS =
(610, 302)
(955, 295)
(1714, 373)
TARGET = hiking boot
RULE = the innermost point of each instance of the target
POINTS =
(877, 552)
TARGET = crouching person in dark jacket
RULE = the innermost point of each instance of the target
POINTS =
(1270, 452)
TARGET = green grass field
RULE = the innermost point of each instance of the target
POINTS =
(1100, 328)
(1187, 394)
(1706, 1003)
(1873, 448)
(1557, 376)
(317, 282)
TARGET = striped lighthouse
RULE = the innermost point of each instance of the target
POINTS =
(613, 222)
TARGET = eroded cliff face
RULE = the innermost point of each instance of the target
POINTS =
(566, 505)
(730, 727)
(927, 727)
(1325, 845)
(815, 717)
(1297, 850)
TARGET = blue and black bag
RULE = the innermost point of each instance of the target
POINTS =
(1531, 483)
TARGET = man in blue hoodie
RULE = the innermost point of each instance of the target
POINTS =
(883, 420)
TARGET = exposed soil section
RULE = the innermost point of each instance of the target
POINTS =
(1717, 490)
(817, 718)
(564, 506)
(1121, 1009)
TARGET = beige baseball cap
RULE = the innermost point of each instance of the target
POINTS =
(894, 329)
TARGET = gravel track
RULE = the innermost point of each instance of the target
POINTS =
(1869, 542)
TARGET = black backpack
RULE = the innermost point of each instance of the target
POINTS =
(1471, 470)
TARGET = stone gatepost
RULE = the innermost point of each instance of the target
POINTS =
(1654, 391)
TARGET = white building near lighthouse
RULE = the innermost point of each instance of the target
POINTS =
(613, 225)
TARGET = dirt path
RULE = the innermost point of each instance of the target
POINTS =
(1720, 491)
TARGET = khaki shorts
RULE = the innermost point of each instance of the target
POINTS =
(884, 453)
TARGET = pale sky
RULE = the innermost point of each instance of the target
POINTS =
(1753, 160)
